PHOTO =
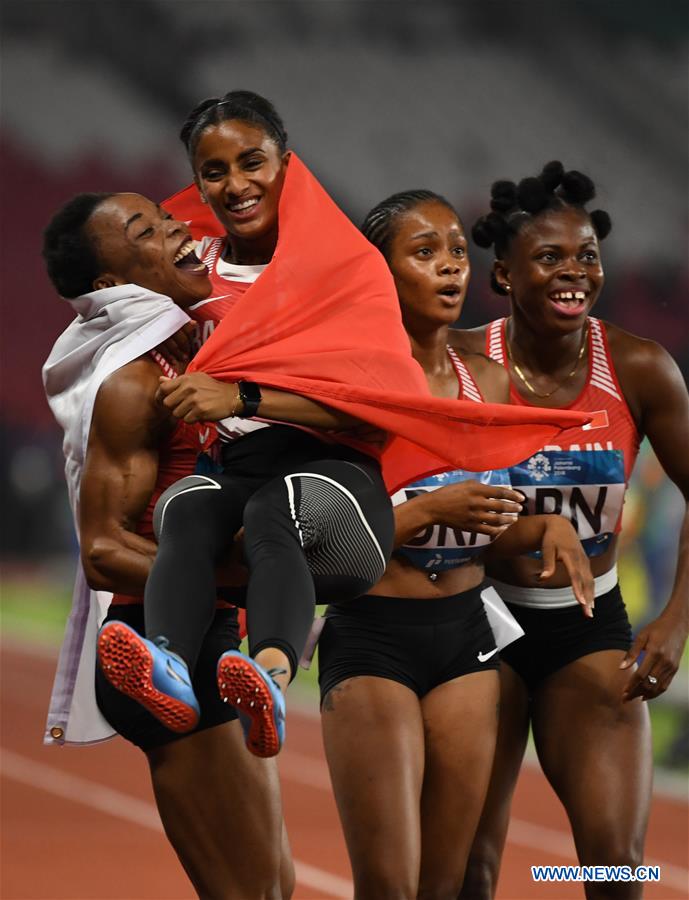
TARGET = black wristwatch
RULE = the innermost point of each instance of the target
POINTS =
(250, 395)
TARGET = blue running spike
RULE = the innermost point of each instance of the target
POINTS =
(259, 702)
(150, 674)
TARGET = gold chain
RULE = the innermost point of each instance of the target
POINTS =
(564, 380)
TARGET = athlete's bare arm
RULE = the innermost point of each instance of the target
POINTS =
(558, 541)
(199, 398)
(119, 477)
(467, 505)
(657, 397)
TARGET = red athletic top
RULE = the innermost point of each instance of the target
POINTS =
(584, 475)
(177, 459)
(225, 291)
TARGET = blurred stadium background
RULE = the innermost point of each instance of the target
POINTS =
(377, 97)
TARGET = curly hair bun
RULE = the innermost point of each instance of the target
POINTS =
(503, 196)
(602, 223)
(532, 195)
(551, 176)
(487, 229)
(577, 188)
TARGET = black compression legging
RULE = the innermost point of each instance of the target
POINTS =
(321, 531)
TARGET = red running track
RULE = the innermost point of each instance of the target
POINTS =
(81, 823)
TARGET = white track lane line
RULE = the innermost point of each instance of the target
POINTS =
(122, 806)
(311, 772)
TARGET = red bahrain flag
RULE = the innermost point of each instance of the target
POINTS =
(323, 321)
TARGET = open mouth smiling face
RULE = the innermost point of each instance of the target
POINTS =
(139, 243)
(554, 268)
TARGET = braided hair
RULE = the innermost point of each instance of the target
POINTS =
(379, 225)
(70, 254)
(513, 205)
(243, 105)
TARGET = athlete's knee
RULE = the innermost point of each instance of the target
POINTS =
(480, 875)
(614, 849)
(184, 501)
(384, 882)
(441, 887)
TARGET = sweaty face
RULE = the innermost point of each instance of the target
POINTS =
(429, 262)
(240, 172)
(554, 269)
(139, 243)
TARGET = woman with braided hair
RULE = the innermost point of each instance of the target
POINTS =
(580, 683)
(408, 673)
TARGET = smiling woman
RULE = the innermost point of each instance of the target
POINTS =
(573, 679)
(238, 151)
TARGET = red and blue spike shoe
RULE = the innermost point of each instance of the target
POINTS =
(150, 674)
(259, 702)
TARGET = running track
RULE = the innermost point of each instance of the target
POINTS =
(80, 823)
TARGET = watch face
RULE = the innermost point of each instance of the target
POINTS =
(250, 394)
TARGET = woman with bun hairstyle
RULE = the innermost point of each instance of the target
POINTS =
(580, 683)
(408, 673)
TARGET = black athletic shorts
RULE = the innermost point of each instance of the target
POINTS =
(556, 637)
(419, 643)
(135, 723)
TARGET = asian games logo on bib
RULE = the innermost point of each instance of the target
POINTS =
(539, 467)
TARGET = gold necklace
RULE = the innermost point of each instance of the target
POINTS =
(571, 374)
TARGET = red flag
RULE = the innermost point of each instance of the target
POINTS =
(323, 320)
(188, 207)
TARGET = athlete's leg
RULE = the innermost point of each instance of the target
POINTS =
(483, 866)
(288, 878)
(596, 752)
(374, 744)
(196, 521)
(328, 528)
(460, 725)
(221, 810)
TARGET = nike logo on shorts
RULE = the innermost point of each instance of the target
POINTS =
(482, 657)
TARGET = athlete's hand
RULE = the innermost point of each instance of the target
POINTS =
(198, 397)
(472, 506)
(177, 350)
(561, 544)
(662, 642)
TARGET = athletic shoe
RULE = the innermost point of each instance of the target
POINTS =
(259, 702)
(150, 674)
